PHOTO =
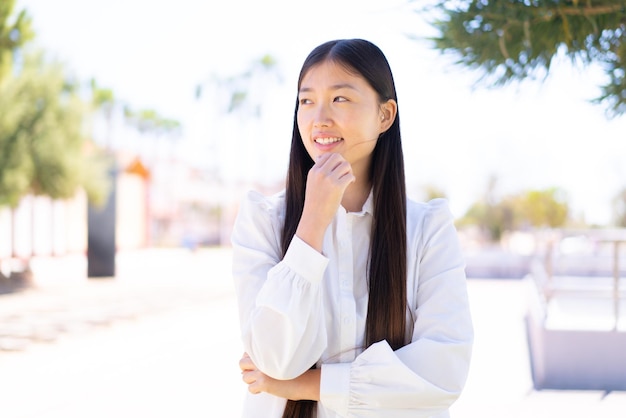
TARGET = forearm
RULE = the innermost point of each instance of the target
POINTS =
(304, 387)
(311, 230)
(274, 304)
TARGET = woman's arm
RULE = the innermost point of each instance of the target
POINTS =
(304, 387)
(427, 375)
(279, 299)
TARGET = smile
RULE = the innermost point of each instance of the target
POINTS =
(326, 141)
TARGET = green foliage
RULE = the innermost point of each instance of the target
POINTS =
(237, 99)
(260, 71)
(544, 208)
(149, 121)
(493, 218)
(42, 139)
(101, 98)
(433, 192)
(268, 62)
(532, 208)
(94, 178)
(41, 123)
(15, 32)
(518, 39)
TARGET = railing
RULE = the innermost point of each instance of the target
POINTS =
(616, 295)
(545, 279)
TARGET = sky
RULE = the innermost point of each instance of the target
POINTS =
(153, 54)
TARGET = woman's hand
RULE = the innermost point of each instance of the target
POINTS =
(326, 183)
(305, 386)
(257, 381)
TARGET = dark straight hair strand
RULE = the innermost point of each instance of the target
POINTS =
(386, 314)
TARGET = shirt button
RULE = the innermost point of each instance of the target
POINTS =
(347, 320)
(345, 283)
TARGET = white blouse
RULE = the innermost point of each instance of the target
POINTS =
(310, 308)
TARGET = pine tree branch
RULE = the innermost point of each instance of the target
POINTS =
(561, 11)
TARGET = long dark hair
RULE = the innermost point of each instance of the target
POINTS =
(386, 313)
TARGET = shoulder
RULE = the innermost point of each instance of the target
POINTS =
(258, 202)
(260, 212)
(435, 208)
(424, 219)
(256, 208)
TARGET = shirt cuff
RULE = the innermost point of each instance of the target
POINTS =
(335, 387)
(305, 261)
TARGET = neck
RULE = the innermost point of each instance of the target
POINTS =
(355, 196)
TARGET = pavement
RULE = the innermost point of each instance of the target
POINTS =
(161, 339)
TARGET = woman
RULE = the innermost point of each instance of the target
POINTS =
(352, 300)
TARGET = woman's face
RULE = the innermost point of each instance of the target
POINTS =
(340, 112)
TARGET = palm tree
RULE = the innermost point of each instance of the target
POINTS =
(242, 96)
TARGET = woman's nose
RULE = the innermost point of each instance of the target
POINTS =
(322, 117)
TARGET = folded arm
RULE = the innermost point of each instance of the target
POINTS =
(280, 299)
(427, 375)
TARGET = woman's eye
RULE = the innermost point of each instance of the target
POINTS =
(340, 99)
(305, 101)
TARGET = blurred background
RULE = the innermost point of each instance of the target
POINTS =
(130, 130)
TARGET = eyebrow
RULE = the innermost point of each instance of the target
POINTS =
(333, 87)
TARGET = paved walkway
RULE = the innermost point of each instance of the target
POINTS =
(161, 340)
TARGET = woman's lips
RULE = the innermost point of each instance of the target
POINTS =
(326, 144)
(327, 140)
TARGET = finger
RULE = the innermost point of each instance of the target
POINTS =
(321, 159)
(328, 162)
(335, 166)
(257, 385)
(342, 170)
(249, 377)
(347, 178)
(246, 364)
(253, 389)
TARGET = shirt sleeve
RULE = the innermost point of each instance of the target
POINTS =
(423, 378)
(280, 299)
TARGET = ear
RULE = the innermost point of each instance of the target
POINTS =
(388, 112)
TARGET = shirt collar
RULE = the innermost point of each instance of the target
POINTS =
(368, 206)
